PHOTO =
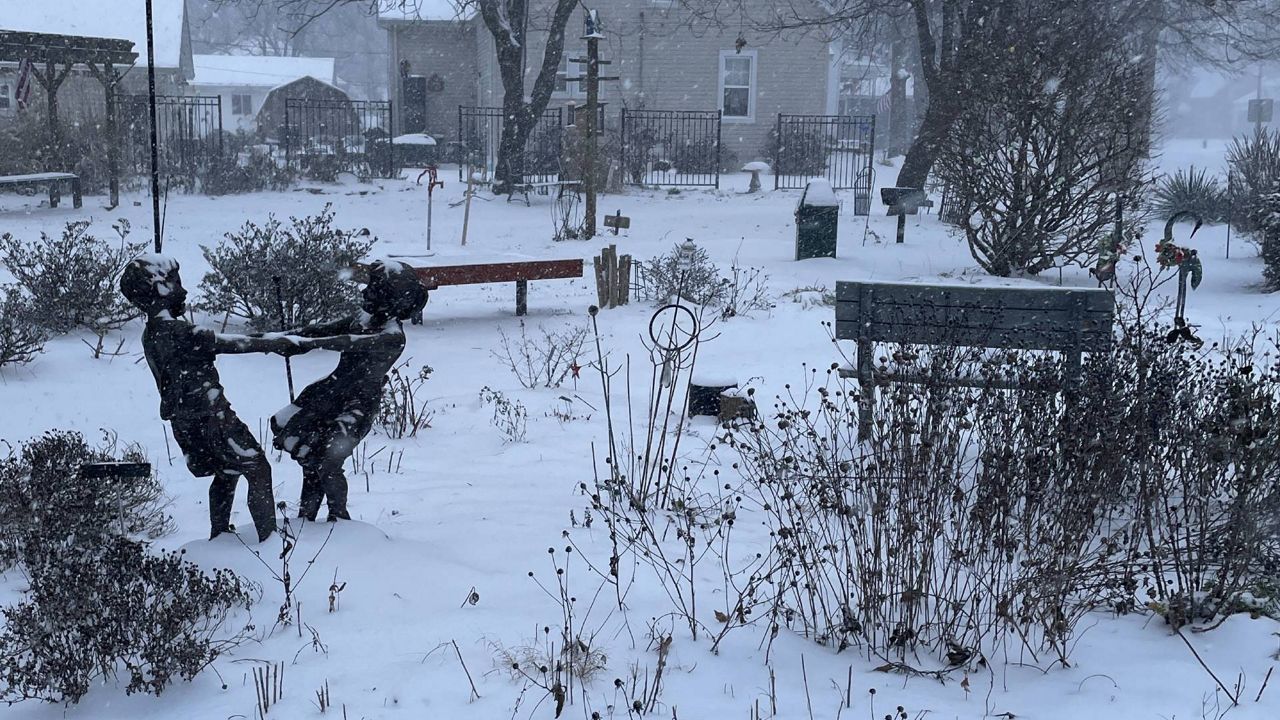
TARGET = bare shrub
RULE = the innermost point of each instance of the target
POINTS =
(509, 416)
(746, 291)
(545, 360)
(403, 411)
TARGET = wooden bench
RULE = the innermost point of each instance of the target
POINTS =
(1072, 321)
(51, 179)
(518, 272)
(525, 188)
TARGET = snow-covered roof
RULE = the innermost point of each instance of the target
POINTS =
(422, 10)
(99, 18)
(261, 71)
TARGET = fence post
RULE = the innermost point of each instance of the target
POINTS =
(719, 115)
(777, 150)
(391, 140)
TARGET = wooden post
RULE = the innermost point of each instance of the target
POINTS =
(110, 79)
(623, 289)
(522, 297)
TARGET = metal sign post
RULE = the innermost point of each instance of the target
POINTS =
(155, 152)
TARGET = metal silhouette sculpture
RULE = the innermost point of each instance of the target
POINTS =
(214, 441)
(322, 427)
(1190, 271)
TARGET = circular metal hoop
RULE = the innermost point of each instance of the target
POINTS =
(677, 339)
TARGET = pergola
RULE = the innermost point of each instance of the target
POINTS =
(52, 57)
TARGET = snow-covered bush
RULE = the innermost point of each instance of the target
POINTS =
(1253, 162)
(696, 278)
(21, 339)
(71, 279)
(309, 255)
(1268, 234)
(105, 609)
(97, 602)
(41, 494)
(692, 275)
(241, 168)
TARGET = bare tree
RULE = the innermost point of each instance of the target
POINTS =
(1047, 136)
(950, 34)
(508, 22)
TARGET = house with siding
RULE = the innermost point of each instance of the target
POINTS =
(441, 59)
(244, 81)
(80, 98)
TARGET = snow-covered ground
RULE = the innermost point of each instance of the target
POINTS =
(463, 510)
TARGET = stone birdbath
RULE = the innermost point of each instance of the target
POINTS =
(755, 168)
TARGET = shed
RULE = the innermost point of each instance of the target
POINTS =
(321, 103)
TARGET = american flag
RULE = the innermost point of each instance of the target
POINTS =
(882, 106)
(22, 92)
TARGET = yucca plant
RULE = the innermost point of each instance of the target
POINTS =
(1192, 189)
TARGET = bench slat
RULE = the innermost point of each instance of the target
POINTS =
(977, 318)
(1020, 339)
(437, 276)
(1092, 300)
(35, 178)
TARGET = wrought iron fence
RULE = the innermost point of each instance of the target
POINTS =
(671, 147)
(188, 135)
(480, 135)
(840, 148)
(325, 137)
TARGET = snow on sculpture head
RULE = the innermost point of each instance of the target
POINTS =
(151, 282)
(393, 289)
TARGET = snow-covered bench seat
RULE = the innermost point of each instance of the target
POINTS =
(50, 179)
(520, 273)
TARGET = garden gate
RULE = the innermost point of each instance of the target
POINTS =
(671, 147)
(839, 148)
(325, 137)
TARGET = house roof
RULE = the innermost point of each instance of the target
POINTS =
(401, 11)
(258, 70)
(95, 18)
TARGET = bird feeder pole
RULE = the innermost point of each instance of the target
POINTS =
(151, 105)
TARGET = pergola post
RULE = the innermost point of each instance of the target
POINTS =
(110, 79)
(51, 79)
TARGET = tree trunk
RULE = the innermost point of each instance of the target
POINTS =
(944, 107)
(899, 125)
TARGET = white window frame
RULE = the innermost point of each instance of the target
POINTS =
(754, 56)
(6, 92)
(575, 90)
(240, 112)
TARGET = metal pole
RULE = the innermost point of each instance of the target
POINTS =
(155, 152)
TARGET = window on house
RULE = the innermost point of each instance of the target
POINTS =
(737, 84)
(6, 98)
(571, 70)
(241, 104)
